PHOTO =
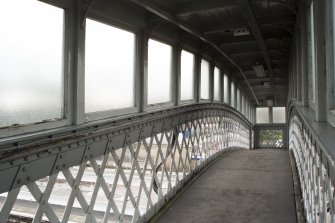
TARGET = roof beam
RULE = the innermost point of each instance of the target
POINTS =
(263, 21)
(172, 19)
(201, 6)
(252, 49)
(197, 6)
(251, 39)
(246, 10)
(265, 79)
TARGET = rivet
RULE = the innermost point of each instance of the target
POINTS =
(64, 165)
(60, 157)
(18, 181)
(57, 167)
(91, 155)
(88, 148)
(85, 157)
(23, 169)
(28, 178)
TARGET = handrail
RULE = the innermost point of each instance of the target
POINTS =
(21, 142)
(323, 133)
(315, 163)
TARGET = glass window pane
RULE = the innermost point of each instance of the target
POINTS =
(159, 72)
(217, 95)
(109, 67)
(232, 94)
(31, 62)
(225, 88)
(279, 114)
(262, 115)
(204, 79)
(187, 76)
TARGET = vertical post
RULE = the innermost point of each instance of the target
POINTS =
(250, 138)
(222, 86)
(270, 115)
(211, 81)
(235, 95)
(320, 65)
(303, 48)
(143, 68)
(197, 78)
(330, 54)
(176, 74)
(76, 32)
(229, 90)
(297, 62)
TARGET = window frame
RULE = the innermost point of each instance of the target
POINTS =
(173, 87)
(112, 113)
(330, 73)
(284, 116)
(219, 85)
(269, 116)
(226, 89)
(232, 94)
(209, 81)
(311, 56)
(42, 126)
(188, 101)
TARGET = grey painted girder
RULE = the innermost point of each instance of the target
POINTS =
(25, 168)
(237, 24)
(262, 79)
(168, 167)
(247, 11)
(172, 19)
(202, 6)
(280, 36)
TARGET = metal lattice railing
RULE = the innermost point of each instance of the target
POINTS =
(315, 168)
(127, 183)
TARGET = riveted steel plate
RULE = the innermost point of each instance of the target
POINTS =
(34, 170)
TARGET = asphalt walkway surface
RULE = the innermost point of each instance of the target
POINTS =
(251, 186)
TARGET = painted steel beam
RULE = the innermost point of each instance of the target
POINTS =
(172, 19)
(263, 21)
(251, 40)
(247, 11)
(23, 166)
(198, 6)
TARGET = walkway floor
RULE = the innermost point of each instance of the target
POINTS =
(251, 186)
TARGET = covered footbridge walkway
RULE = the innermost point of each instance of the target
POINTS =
(127, 110)
(241, 186)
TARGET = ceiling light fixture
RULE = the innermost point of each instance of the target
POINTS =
(241, 32)
(259, 70)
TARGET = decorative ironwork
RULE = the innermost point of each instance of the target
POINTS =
(125, 178)
(315, 169)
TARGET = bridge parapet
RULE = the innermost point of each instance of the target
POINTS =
(314, 159)
(124, 169)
